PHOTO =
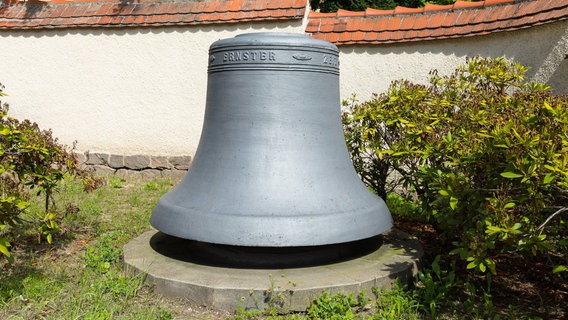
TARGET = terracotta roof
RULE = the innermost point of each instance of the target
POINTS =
(461, 19)
(342, 28)
(40, 14)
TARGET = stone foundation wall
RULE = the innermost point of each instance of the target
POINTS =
(105, 163)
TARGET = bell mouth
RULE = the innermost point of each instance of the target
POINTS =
(243, 257)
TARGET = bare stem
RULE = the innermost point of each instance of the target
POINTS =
(559, 211)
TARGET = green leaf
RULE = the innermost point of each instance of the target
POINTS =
(444, 193)
(485, 136)
(453, 202)
(471, 265)
(548, 178)
(4, 244)
(509, 205)
(511, 175)
(559, 269)
(517, 135)
(22, 204)
(492, 230)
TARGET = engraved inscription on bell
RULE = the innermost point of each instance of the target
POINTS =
(272, 168)
(249, 55)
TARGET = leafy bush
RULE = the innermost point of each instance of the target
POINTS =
(31, 160)
(485, 152)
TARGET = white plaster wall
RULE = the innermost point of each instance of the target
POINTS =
(370, 69)
(142, 91)
(120, 91)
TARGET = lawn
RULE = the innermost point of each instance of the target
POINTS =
(80, 275)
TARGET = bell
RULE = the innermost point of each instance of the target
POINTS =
(272, 168)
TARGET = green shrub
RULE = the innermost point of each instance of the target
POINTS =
(31, 160)
(485, 152)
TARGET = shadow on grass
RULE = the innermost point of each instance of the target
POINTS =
(13, 280)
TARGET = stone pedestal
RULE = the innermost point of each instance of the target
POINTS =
(288, 289)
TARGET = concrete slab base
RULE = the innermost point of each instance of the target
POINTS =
(288, 289)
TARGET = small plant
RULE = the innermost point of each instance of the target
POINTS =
(102, 254)
(395, 304)
(435, 287)
(151, 186)
(276, 297)
(31, 160)
(247, 314)
(337, 306)
(116, 182)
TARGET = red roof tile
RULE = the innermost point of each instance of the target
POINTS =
(370, 36)
(466, 4)
(403, 10)
(374, 12)
(437, 7)
(450, 19)
(381, 25)
(366, 25)
(35, 14)
(347, 13)
(406, 24)
(340, 26)
(439, 22)
(353, 24)
(394, 23)
(420, 22)
(493, 2)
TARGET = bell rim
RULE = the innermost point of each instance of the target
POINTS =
(272, 230)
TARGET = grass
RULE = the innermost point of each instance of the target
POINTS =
(80, 276)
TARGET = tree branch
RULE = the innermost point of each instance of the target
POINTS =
(559, 211)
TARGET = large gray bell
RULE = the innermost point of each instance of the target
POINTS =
(272, 168)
